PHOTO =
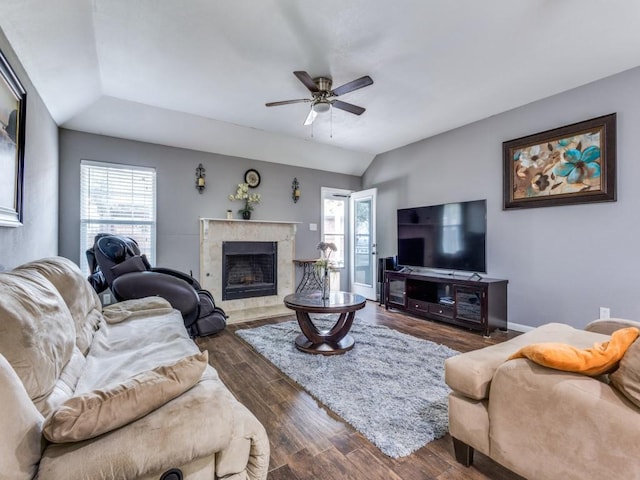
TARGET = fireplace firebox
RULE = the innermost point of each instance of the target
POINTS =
(249, 269)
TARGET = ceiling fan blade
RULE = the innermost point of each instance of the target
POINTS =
(348, 107)
(311, 117)
(305, 78)
(353, 85)
(287, 102)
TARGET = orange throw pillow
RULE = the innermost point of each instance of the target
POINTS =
(600, 358)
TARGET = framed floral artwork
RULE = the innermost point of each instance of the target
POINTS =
(13, 107)
(567, 165)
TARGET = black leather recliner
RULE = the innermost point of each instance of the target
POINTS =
(116, 263)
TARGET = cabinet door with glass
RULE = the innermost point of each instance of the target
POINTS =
(395, 290)
(469, 303)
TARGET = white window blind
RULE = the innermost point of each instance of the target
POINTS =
(120, 200)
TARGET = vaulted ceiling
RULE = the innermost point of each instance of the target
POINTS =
(197, 73)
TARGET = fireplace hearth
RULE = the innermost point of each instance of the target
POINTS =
(249, 269)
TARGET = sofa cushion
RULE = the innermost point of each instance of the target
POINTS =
(161, 440)
(122, 350)
(66, 384)
(21, 427)
(610, 325)
(596, 360)
(627, 377)
(81, 299)
(100, 411)
(470, 373)
(37, 333)
(136, 308)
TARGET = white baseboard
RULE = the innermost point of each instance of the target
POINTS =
(519, 327)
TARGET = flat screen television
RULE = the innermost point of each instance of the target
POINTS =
(451, 236)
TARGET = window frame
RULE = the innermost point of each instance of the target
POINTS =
(87, 220)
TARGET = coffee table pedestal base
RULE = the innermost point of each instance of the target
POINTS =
(325, 348)
(335, 340)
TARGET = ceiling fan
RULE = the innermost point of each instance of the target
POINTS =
(323, 97)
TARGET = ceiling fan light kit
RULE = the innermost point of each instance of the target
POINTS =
(321, 106)
(323, 97)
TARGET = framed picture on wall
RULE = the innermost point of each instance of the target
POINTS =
(563, 166)
(13, 108)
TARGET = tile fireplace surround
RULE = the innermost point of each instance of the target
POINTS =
(214, 231)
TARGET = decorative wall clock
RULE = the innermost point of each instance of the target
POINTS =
(252, 178)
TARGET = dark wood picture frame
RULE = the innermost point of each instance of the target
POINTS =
(563, 166)
(13, 110)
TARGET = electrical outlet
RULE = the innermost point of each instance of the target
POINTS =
(605, 313)
(106, 299)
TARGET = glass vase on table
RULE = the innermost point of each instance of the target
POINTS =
(326, 283)
(323, 266)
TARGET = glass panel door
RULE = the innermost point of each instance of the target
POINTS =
(364, 271)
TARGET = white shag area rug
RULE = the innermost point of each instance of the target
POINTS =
(390, 386)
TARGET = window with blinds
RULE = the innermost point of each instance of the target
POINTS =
(117, 199)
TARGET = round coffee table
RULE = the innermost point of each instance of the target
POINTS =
(334, 341)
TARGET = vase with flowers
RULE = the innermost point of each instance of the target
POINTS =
(250, 199)
(324, 265)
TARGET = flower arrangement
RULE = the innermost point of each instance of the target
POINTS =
(326, 248)
(242, 193)
(324, 265)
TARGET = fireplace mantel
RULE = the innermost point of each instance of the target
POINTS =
(238, 220)
(215, 231)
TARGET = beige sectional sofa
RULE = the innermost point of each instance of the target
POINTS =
(121, 393)
(544, 423)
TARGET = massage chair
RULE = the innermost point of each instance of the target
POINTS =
(115, 262)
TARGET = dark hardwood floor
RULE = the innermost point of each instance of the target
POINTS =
(309, 442)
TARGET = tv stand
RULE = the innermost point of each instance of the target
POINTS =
(472, 302)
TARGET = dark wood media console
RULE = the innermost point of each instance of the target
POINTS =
(476, 304)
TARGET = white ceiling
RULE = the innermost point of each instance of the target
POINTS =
(197, 73)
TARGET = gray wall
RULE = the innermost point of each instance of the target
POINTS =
(180, 205)
(562, 263)
(38, 237)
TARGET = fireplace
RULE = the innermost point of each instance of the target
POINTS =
(215, 231)
(249, 269)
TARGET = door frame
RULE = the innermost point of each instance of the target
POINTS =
(369, 292)
(339, 193)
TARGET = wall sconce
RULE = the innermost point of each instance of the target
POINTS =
(200, 181)
(295, 190)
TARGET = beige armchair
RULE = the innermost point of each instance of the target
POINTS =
(539, 422)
